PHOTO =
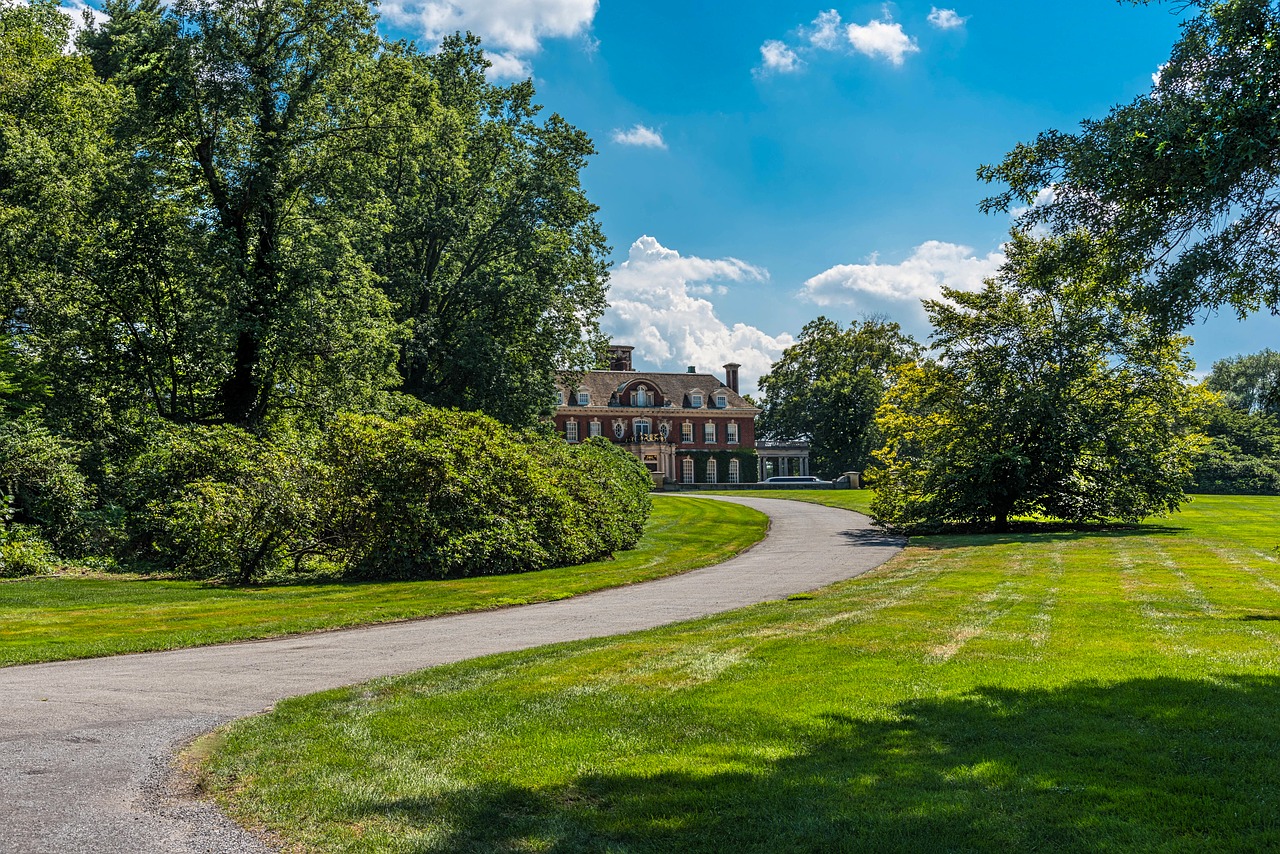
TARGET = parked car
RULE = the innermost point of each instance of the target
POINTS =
(805, 478)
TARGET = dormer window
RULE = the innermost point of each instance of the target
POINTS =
(560, 397)
(695, 400)
(584, 398)
(722, 401)
(641, 397)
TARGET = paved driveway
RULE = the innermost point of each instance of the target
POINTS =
(86, 746)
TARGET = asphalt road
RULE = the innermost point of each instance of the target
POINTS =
(86, 747)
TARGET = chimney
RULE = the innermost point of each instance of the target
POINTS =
(731, 375)
(620, 358)
(693, 369)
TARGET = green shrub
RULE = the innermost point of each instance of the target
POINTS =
(23, 552)
(38, 472)
(447, 493)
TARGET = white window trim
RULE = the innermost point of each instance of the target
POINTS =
(593, 429)
(712, 472)
(686, 431)
(571, 431)
(735, 472)
(722, 401)
(731, 433)
(710, 434)
(686, 471)
(584, 398)
(695, 399)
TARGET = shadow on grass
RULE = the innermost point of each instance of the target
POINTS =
(1154, 764)
(1047, 534)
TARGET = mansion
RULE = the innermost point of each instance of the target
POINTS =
(685, 427)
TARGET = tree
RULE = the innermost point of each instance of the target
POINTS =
(825, 389)
(1249, 384)
(493, 254)
(1046, 399)
(1179, 186)
(1243, 426)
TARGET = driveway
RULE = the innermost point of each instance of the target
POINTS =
(86, 746)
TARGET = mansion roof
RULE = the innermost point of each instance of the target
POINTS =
(677, 391)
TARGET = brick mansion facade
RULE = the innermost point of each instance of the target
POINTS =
(685, 427)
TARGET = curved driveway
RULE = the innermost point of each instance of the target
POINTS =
(85, 746)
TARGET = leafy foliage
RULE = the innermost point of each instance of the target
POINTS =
(40, 483)
(826, 387)
(1243, 426)
(1180, 185)
(1046, 400)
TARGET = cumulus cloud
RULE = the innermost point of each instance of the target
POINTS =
(639, 135)
(513, 29)
(776, 57)
(921, 276)
(946, 19)
(881, 40)
(657, 305)
(825, 31)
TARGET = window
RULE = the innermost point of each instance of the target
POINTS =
(560, 397)
(733, 472)
(619, 429)
(731, 433)
(571, 431)
(709, 432)
(641, 428)
(584, 398)
(593, 429)
(686, 471)
(695, 400)
(641, 397)
(664, 430)
(686, 432)
(722, 401)
(711, 471)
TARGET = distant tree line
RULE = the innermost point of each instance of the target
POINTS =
(238, 226)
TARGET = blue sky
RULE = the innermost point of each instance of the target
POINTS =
(761, 163)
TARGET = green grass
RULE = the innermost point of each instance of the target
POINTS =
(61, 618)
(1111, 691)
(845, 499)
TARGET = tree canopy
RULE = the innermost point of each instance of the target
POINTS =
(825, 389)
(1180, 186)
(1046, 399)
(232, 213)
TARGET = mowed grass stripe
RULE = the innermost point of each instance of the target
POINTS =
(54, 619)
(1114, 699)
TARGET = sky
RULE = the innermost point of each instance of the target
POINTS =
(764, 162)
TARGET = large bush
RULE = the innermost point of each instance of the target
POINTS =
(447, 493)
(39, 480)
(432, 494)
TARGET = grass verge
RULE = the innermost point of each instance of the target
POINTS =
(61, 618)
(1052, 691)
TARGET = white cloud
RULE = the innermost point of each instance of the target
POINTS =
(946, 19)
(775, 56)
(514, 29)
(655, 306)
(826, 30)
(640, 135)
(921, 276)
(507, 66)
(881, 40)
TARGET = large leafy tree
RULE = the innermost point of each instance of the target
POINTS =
(1180, 185)
(1046, 399)
(826, 387)
(493, 254)
(260, 122)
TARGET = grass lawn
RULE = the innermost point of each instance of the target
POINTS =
(53, 619)
(846, 499)
(1052, 691)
